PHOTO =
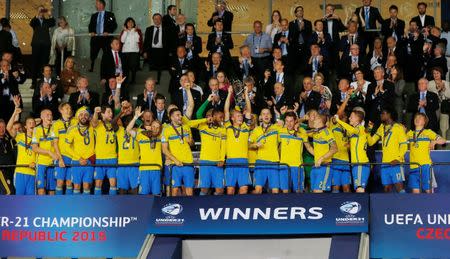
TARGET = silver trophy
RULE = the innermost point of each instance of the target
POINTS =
(238, 89)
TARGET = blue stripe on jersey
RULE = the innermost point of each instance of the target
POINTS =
(267, 135)
(177, 137)
(284, 136)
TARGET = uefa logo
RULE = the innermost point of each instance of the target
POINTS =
(350, 207)
(172, 209)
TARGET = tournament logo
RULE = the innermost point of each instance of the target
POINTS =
(172, 209)
(350, 209)
(170, 212)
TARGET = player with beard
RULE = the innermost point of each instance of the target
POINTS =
(82, 147)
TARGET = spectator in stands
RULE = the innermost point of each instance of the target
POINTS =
(68, 77)
(109, 97)
(333, 26)
(279, 100)
(438, 60)
(156, 45)
(63, 44)
(352, 37)
(45, 100)
(280, 76)
(146, 99)
(244, 67)
(396, 77)
(317, 63)
(40, 43)
(255, 96)
(213, 67)
(359, 84)
(220, 41)
(9, 88)
(390, 63)
(371, 15)
(17, 69)
(8, 157)
(285, 46)
(425, 102)
(393, 49)
(101, 25)
(260, 45)
(169, 20)
(17, 54)
(55, 83)
(380, 95)
(112, 61)
(423, 20)
(181, 97)
(193, 45)
(376, 56)
(441, 87)
(192, 80)
(132, 40)
(83, 96)
(181, 26)
(309, 99)
(321, 38)
(325, 93)
(414, 50)
(355, 60)
(301, 28)
(160, 109)
(219, 96)
(178, 66)
(5, 37)
(223, 14)
(393, 26)
(224, 83)
(275, 25)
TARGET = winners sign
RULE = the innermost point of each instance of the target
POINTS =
(73, 226)
(261, 214)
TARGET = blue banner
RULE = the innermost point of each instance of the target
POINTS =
(409, 226)
(261, 214)
(73, 226)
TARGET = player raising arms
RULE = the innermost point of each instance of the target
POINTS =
(82, 148)
(238, 131)
(24, 177)
(264, 138)
(421, 140)
(394, 146)
(291, 152)
(62, 149)
(324, 149)
(43, 146)
(340, 169)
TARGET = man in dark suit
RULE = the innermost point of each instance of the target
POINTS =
(220, 41)
(414, 52)
(222, 14)
(193, 45)
(302, 31)
(83, 96)
(5, 37)
(279, 75)
(169, 19)
(111, 64)
(160, 111)
(180, 96)
(101, 25)
(218, 96)
(8, 89)
(308, 99)
(371, 15)
(322, 39)
(351, 62)
(115, 86)
(286, 41)
(380, 95)
(45, 100)
(340, 96)
(396, 49)
(54, 82)
(317, 63)
(244, 65)
(393, 27)
(279, 99)
(425, 102)
(213, 67)
(352, 37)
(156, 47)
(422, 20)
(146, 99)
(333, 26)
(178, 66)
(40, 43)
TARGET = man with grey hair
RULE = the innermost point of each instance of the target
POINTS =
(380, 95)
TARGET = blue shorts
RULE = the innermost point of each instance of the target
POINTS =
(45, 178)
(297, 178)
(150, 182)
(211, 176)
(237, 175)
(267, 171)
(340, 174)
(183, 175)
(392, 174)
(360, 175)
(63, 173)
(167, 175)
(101, 172)
(414, 178)
(82, 174)
(128, 177)
(321, 178)
(24, 184)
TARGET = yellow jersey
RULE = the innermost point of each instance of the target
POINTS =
(237, 141)
(105, 141)
(358, 142)
(322, 141)
(394, 142)
(150, 151)
(42, 137)
(419, 146)
(269, 140)
(213, 142)
(81, 141)
(340, 135)
(178, 139)
(291, 147)
(128, 147)
(59, 131)
(25, 154)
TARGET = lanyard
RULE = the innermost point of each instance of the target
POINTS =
(178, 133)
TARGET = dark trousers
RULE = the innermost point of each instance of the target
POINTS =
(130, 65)
(58, 60)
(40, 54)
(157, 60)
(97, 43)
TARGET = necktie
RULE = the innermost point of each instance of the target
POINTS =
(185, 100)
(277, 99)
(366, 17)
(315, 64)
(160, 116)
(245, 68)
(422, 98)
(278, 78)
(116, 57)
(181, 62)
(99, 23)
(343, 96)
(149, 99)
(156, 38)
